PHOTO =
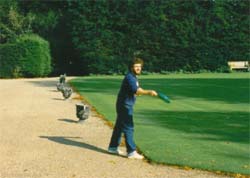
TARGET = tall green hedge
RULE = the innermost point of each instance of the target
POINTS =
(26, 56)
(10, 64)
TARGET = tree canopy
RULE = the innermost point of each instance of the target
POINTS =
(100, 36)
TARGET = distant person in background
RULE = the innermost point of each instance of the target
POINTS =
(130, 88)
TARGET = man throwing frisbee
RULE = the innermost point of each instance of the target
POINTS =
(130, 88)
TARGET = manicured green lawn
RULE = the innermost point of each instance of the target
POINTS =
(205, 126)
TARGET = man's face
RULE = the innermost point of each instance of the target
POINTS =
(136, 69)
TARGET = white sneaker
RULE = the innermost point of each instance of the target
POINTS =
(135, 155)
(115, 151)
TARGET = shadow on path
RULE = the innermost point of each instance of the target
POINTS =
(69, 120)
(44, 83)
(69, 141)
(59, 99)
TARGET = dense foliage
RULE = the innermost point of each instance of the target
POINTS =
(169, 35)
(27, 56)
(100, 36)
(12, 22)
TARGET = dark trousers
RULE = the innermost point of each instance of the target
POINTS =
(124, 124)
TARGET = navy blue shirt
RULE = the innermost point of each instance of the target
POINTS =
(128, 90)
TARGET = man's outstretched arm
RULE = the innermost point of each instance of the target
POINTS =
(141, 91)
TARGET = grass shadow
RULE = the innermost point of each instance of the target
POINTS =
(228, 127)
(227, 90)
(233, 90)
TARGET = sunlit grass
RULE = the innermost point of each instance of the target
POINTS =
(205, 126)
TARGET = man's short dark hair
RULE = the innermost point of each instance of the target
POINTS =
(136, 60)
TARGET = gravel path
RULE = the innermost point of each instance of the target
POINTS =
(40, 138)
